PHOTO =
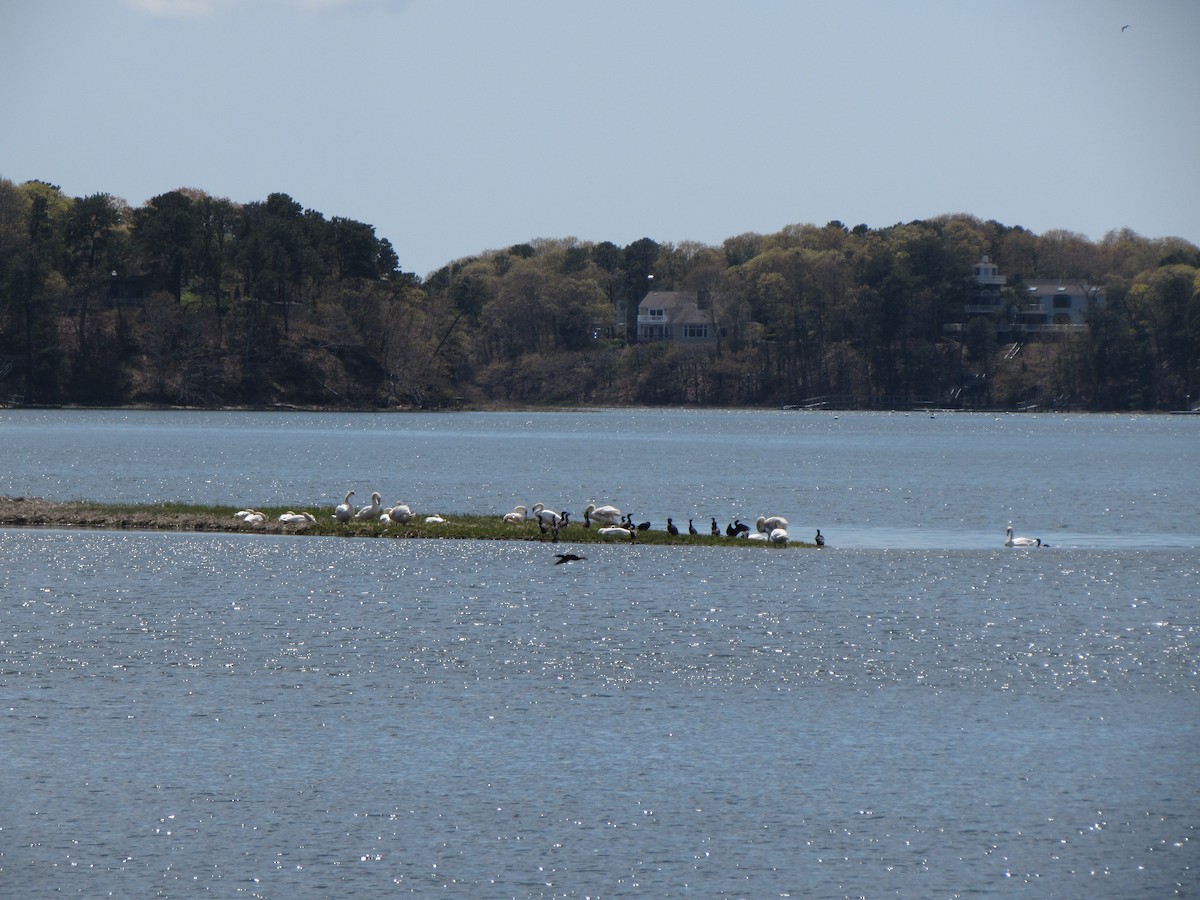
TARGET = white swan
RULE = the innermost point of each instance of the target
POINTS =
(401, 513)
(344, 511)
(617, 531)
(371, 512)
(779, 536)
(517, 516)
(242, 513)
(767, 524)
(254, 518)
(757, 536)
(1010, 541)
(301, 520)
(546, 516)
(434, 520)
(604, 515)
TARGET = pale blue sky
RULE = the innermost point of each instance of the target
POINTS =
(460, 126)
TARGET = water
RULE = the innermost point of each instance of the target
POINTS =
(867, 479)
(896, 715)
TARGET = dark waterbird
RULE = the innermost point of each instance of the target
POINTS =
(566, 558)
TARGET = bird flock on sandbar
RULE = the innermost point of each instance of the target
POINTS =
(609, 521)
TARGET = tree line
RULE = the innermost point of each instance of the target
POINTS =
(195, 300)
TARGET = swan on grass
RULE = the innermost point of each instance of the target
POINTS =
(372, 512)
(547, 516)
(517, 516)
(401, 514)
(1010, 541)
(767, 524)
(300, 520)
(252, 517)
(779, 536)
(602, 515)
(434, 520)
(344, 511)
(617, 532)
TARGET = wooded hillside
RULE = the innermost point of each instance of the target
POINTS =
(200, 301)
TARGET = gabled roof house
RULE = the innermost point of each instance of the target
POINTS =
(683, 317)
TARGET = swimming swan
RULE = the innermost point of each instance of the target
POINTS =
(344, 511)
(1010, 541)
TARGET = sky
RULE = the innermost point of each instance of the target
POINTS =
(456, 127)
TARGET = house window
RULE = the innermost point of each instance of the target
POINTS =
(1062, 302)
(655, 313)
(695, 331)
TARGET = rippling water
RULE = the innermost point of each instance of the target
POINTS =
(281, 717)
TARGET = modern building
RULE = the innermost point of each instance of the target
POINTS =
(1038, 305)
(1055, 305)
(683, 317)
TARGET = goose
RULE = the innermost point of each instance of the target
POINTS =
(692, 528)
(671, 527)
(767, 524)
(716, 531)
(401, 514)
(819, 540)
(517, 516)
(370, 512)
(344, 511)
(779, 536)
(604, 515)
(1010, 541)
(299, 519)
